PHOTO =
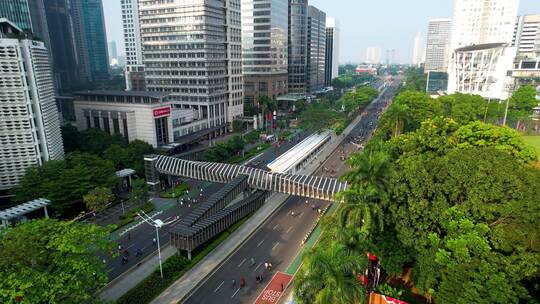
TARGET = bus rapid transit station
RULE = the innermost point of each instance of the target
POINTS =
(297, 157)
(245, 191)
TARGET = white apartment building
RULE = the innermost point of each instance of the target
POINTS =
(29, 123)
(418, 51)
(132, 43)
(373, 55)
(193, 51)
(482, 29)
(527, 37)
(437, 46)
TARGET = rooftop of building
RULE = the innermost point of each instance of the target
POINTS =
(123, 93)
(480, 47)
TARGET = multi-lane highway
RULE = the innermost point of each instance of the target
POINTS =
(142, 236)
(279, 239)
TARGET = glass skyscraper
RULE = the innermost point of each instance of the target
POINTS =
(18, 12)
(90, 39)
(297, 45)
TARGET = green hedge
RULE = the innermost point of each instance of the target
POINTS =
(178, 191)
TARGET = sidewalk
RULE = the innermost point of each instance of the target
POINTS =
(129, 279)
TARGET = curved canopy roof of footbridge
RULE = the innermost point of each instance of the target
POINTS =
(314, 187)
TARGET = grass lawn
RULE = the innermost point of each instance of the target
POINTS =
(533, 141)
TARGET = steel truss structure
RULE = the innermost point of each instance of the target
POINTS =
(314, 187)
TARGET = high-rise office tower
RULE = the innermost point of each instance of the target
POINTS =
(332, 50)
(482, 22)
(438, 39)
(481, 30)
(316, 49)
(65, 61)
(264, 48)
(18, 12)
(527, 37)
(373, 55)
(196, 56)
(418, 51)
(132, 43)
(29, 123)
(297, 45)
(90, 39)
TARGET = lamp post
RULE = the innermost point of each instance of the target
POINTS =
(510, 88)
(157, 223)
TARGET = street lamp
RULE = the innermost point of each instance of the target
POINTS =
(157, 223)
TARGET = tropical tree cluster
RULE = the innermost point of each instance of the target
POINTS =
(225, 150)
(109, 147)
(48, 261)
(349, 79)
(354, 100)
(442, 192)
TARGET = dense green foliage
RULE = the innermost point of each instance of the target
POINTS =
(350, 80)
(98, 198)
(225, 150)
(65, 182)
(46, 261)
(110, 147)
(438, 189)
(416, 79)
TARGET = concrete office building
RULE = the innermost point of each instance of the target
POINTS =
(527, 37)
(482, 28)
(298, 46)
(332, 51)
(196, 57)
(437, 46)
(29, 123)
(316, 50)
(132, 43)
(373, 55)
(90, 39)
(264, 48)
(146, 116)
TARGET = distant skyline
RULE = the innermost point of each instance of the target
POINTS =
(389, 24)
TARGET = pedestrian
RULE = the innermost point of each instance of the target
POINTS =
(129, 236)
(266, 265)
(319, 210)
(281, 287)
(119, 247)
(154, 241)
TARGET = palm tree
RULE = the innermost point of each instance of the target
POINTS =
(369, 169)
(398, 115)
(328, 275)
(361, 211)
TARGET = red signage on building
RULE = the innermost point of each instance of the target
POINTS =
(162, 112)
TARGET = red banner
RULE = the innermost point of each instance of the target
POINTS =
(162, 112)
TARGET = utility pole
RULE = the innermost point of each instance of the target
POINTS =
(157, 224)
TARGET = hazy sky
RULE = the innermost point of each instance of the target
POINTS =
(390, 24)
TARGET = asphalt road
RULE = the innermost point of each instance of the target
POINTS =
(142, 236)
(279, 239)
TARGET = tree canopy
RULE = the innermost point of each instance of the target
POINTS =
(47, 261)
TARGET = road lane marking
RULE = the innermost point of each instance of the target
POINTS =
(235, 293)
(241, 263)
(257, 267)
(275, 227)
(260, 243)
(289, 230)
(275, 245)
(215, 290)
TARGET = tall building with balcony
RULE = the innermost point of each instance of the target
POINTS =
(29, 123)
(437, 46)
(331, 68)
(527, 37)
(264, 48)
(316, 50)
(193, 51)
(298, 46)
(132, 43)
(373, 55)
(482, 34)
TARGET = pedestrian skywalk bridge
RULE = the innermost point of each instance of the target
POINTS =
(313, 187)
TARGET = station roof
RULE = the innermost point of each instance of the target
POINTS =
(23, 209)
(125, 173)
(479, 47)
(298, 153)
(150, 94)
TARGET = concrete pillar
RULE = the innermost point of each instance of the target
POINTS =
(189, 255)
(46, 211)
